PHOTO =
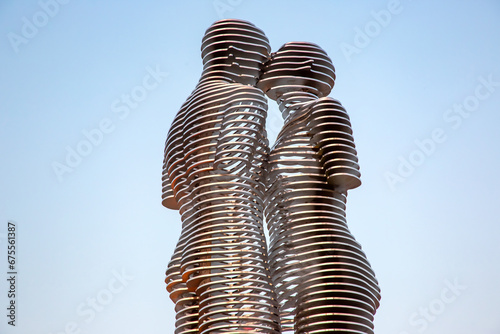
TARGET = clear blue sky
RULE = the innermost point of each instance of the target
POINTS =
(87, 94)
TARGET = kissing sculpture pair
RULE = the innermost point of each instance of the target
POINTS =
(220, 174)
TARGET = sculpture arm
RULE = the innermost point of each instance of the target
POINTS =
(167, 197)
(171, 160)
(242, 142)
(331, 135)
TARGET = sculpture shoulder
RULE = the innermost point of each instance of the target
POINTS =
(327, 109)
(327, 102)
(244, 89)
(248, 93)
(217, 89)
(216, 84)
(327, 99)
(237, 93)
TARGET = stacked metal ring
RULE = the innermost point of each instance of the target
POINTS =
(213, 173)
(323, 280)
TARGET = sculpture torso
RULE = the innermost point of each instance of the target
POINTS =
(205, 127)
(214, 162)
(312, 253)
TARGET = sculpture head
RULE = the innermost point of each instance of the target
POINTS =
(298, 67)
(234, 50)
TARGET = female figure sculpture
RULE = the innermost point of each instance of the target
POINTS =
(322, 278)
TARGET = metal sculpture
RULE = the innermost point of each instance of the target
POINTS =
(213, 172)
(322, 278)
(218, 172)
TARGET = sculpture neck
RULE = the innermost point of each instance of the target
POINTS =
(289, 103)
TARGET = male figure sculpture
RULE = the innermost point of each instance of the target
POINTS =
(322, 277)
(213, 174)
